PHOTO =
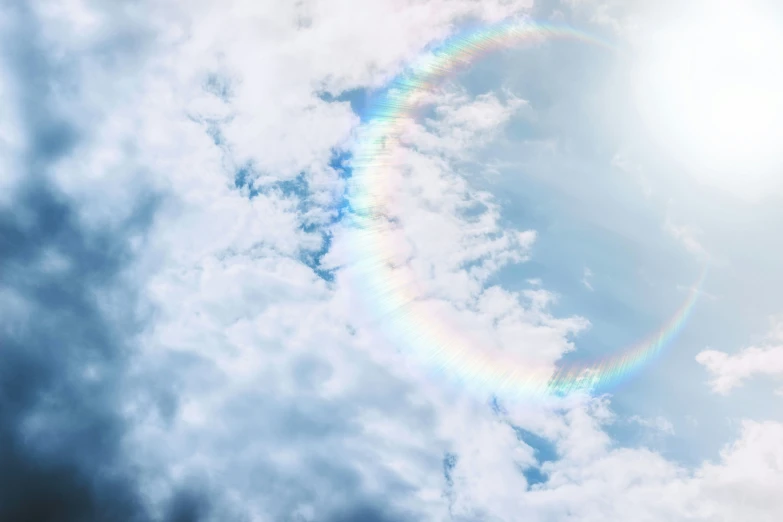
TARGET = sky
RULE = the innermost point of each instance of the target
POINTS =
(262, 261)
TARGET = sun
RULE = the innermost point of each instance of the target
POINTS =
(709, 86)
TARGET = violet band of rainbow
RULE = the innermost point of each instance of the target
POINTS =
(393, 296)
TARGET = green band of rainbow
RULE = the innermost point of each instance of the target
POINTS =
(416, 326)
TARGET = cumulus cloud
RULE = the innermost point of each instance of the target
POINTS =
(250, 382)
(327, 419)
(728, 371)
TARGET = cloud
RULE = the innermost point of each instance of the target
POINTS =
(594, 480)
(255, 378)
(322, 412)
(659, 423)
(65, 339)
(729, 371)
(745, 482)
(687, 235)
(182, 331)
(62, 365)
(586, 277)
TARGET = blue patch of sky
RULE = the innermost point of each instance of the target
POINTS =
(298, 188)
(544, 450)
(359, 100)
(243, 180)
(340, 162)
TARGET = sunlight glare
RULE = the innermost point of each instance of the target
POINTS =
(710, 88)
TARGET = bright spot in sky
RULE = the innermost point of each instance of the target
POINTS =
(710, 87)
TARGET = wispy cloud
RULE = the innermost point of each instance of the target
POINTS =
(687, 235)
(661, 424)
(587, 277)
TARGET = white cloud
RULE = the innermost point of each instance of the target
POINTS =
(300, 374)
(747, 481)
(587, 276)
(729, 371)
(604, 483)
(659, 423)
(687, 235)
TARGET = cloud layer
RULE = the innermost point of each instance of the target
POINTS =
(183, 336)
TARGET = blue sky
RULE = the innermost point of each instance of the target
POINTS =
(187, 329)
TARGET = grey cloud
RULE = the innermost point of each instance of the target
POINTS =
(366, 513)
(63, 354)
(60, 432)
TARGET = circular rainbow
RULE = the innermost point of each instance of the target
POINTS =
(419, 327)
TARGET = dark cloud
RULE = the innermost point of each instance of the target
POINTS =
(188, 506)
(59, 430)
(366, 513)
(63, 353)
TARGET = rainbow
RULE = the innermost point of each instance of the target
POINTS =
(415, 323)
